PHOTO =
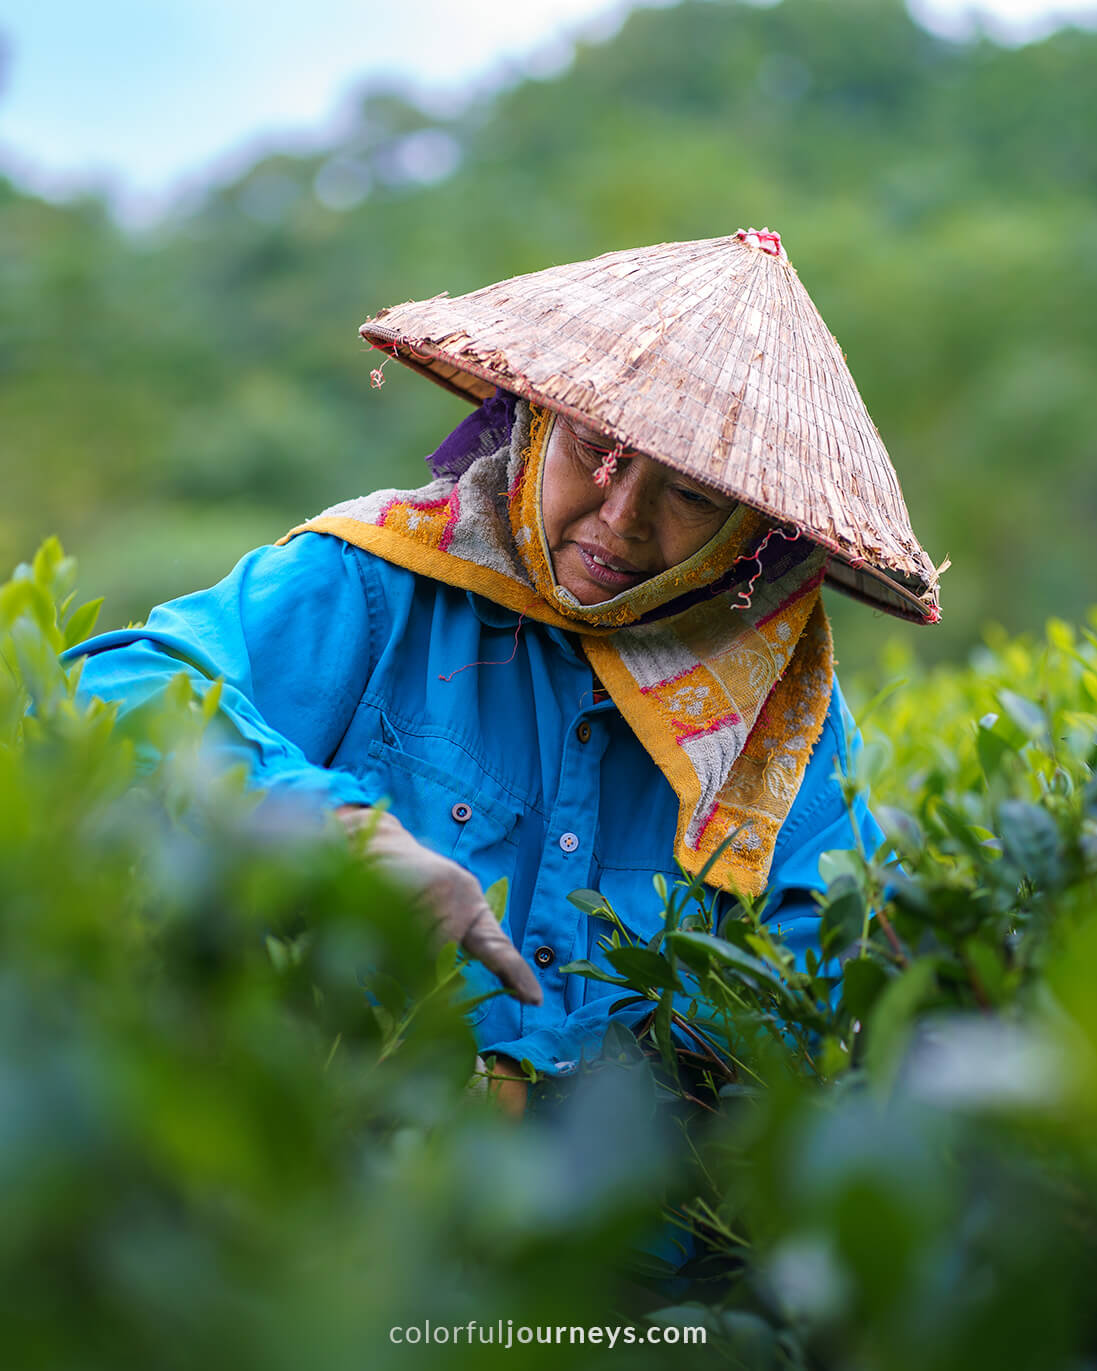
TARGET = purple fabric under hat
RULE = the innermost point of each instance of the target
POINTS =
(486, 430)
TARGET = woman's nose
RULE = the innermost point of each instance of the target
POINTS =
(630, 500)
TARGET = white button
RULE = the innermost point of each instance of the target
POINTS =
(569, 842)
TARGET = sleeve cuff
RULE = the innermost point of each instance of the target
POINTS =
(560, 1052)
(312, 790)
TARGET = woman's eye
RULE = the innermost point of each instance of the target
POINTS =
(695, 498)
(588, 453)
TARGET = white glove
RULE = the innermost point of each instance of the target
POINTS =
(450, 894)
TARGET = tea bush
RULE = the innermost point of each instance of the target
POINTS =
(900, 1168)
(234, 1129)
(234, 1122)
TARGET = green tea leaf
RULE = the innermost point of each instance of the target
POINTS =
(1030, 839)
(889, 1025)
(1028, 717)
(843, 917)
(589, 901)
(902, 829)
(987, 967)
(211, 700)
(664, 1038)
(862, 981)
(840, 863)
(992, 747)
(592, 973)
(495, 897)
(645, 970)
(1060, 635)
(82, 622)
(47, 560)
(697, 950)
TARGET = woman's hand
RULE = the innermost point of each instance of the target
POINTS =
(450, 894)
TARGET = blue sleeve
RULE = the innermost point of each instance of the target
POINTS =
(288, 629)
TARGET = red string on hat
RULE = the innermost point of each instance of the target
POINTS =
(610, 458)
(609, 466)
(747, 595)
(377, 375)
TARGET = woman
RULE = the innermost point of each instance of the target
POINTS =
(592, 650)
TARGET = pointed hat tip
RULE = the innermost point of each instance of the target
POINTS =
(769, 241)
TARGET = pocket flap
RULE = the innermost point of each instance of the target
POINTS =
(434, 803)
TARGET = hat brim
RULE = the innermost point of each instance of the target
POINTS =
(905, 596)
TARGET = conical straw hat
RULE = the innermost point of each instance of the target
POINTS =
(710, 357)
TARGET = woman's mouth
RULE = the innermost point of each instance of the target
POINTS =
(607, 570)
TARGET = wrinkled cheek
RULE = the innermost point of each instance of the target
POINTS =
(568, 571)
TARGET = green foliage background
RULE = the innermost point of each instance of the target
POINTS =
(174, 397)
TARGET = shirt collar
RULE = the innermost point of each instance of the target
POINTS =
(496, 616)
(491, 614)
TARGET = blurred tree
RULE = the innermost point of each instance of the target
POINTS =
(170, 398)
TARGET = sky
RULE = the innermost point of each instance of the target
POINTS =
(142, 98)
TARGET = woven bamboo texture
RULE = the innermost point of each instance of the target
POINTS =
(711, 357)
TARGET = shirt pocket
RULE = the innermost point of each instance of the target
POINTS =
(454, 816)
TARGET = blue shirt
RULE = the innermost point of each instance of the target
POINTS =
(348, 679)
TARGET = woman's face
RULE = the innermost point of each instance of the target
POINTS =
(607, 539)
